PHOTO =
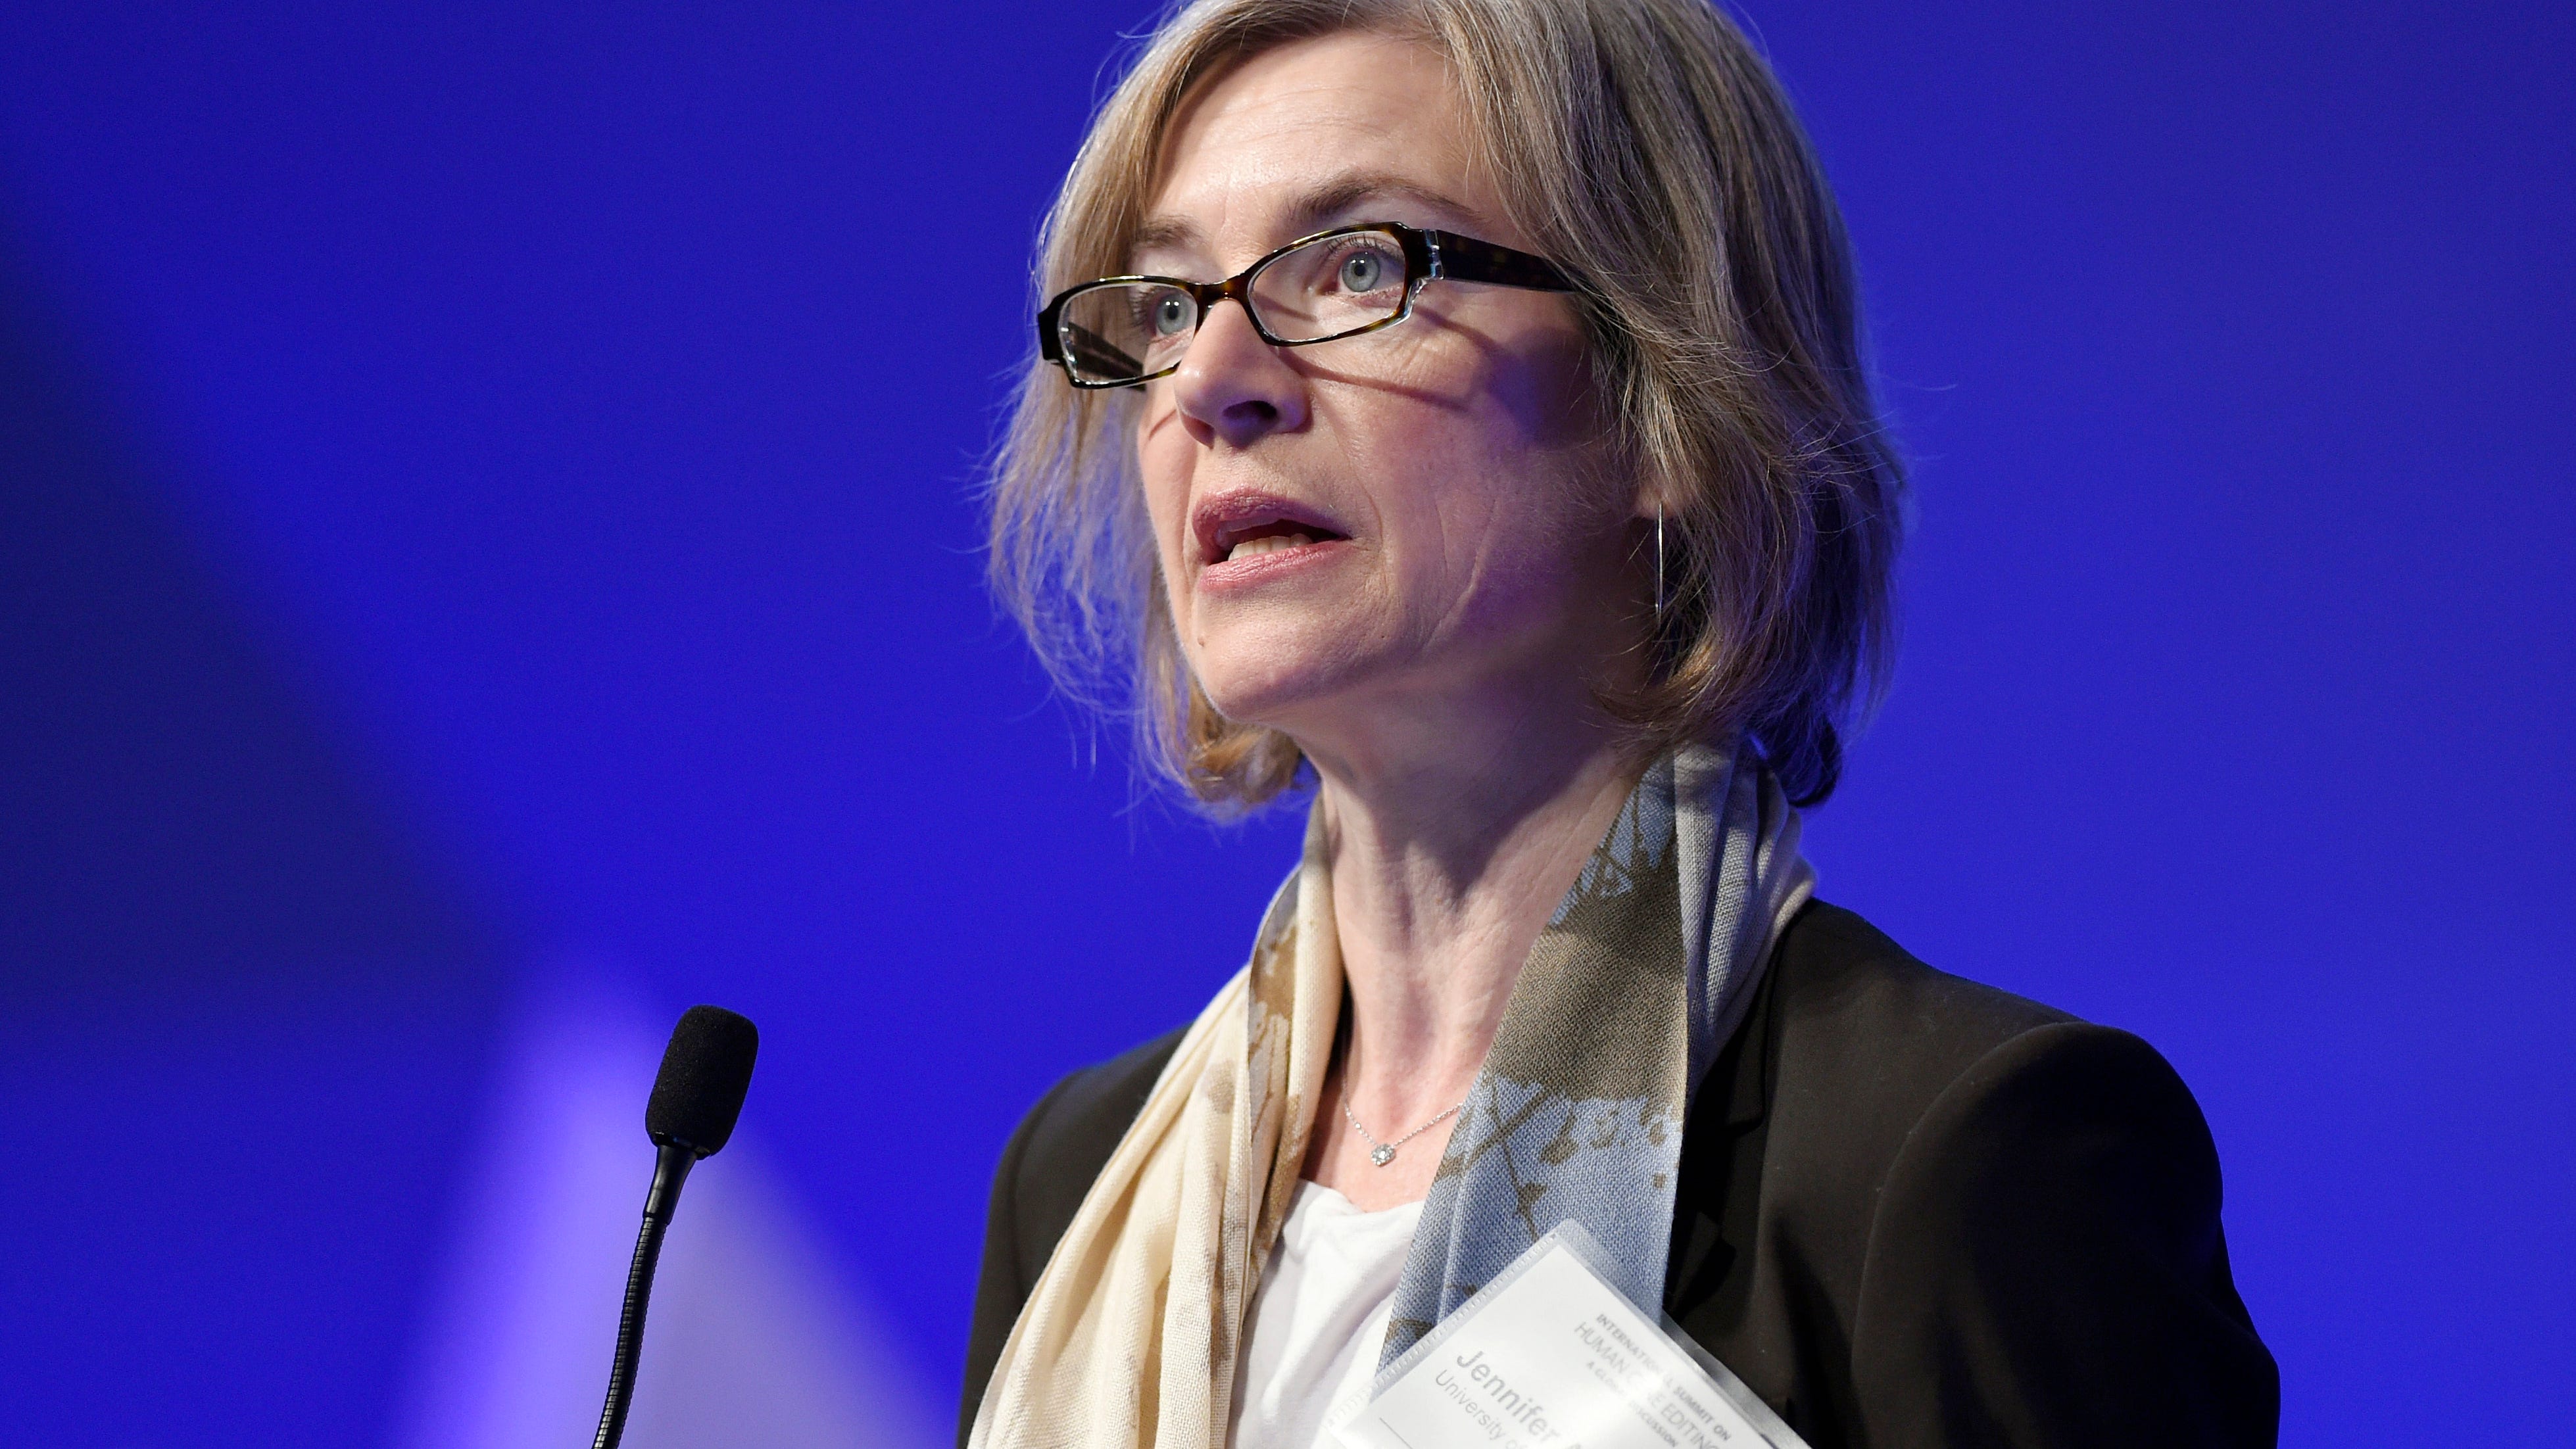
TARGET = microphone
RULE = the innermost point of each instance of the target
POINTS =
(705, 1072)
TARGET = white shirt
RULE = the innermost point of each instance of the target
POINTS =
(1318, 1319)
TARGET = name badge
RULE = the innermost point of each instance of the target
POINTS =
(1550, 1356)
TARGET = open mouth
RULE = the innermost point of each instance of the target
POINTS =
(1234, 545)
(1247, 525)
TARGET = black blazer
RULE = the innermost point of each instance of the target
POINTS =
(1913, 1211)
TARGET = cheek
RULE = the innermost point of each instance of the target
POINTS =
(1519, 362)
(1540, 393)
(1498, 469)
(1164, 456)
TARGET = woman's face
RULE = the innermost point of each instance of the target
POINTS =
(1391, 528)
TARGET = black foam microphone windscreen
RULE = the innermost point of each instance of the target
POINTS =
(705, 1072)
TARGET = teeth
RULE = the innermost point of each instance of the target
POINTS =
(1255, 547)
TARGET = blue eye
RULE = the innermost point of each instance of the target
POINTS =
(1363, 272)
(1174, 315)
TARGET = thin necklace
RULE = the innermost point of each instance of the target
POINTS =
(1383, 1153)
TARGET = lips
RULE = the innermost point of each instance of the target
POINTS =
(1241, 526)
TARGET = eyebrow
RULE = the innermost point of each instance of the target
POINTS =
(1310, 211)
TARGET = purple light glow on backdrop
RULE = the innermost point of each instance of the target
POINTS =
(485, 488)
(752, 1341)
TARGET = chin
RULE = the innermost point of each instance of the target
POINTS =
(1269, 677)
(1269, 697)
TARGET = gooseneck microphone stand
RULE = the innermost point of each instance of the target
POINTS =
(671, 1164)
(696, 1099)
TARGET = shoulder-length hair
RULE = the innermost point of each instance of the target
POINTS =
(1648, 150)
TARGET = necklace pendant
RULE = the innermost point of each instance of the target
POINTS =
(1381, 1154)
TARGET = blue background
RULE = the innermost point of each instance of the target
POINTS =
(482, 487)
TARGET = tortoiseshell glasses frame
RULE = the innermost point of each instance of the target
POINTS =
(1127, 331)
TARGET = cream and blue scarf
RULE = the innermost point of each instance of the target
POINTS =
(1130, 1335)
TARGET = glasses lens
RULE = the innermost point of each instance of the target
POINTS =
(1125, 330)
(1331, 285)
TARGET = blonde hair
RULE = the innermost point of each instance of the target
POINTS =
(1646, 148)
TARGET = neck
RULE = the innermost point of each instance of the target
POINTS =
(1446, 863)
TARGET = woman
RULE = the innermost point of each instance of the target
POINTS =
(1458, 405)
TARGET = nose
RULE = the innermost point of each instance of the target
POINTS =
(1233, 387)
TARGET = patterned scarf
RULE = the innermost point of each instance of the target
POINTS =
(1130, 1335)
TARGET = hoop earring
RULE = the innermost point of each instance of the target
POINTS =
(1659, 566)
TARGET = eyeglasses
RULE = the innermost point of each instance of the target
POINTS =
(1122, 331)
